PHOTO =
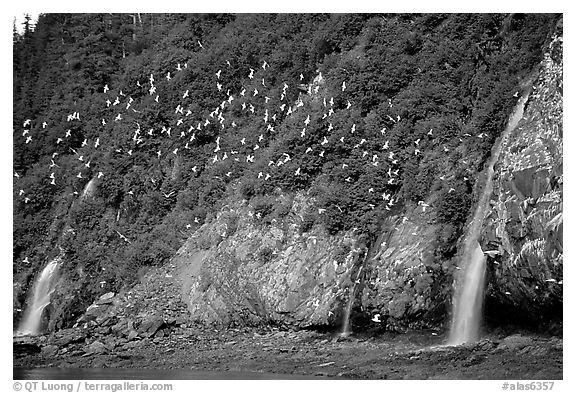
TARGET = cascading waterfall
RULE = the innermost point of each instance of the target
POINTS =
(469, 286)
(348, 310)
(468, 306)
(41, 291)
(346, 325)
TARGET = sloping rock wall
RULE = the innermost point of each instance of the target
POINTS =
(402, 283)
(522, 235)
(238, 270)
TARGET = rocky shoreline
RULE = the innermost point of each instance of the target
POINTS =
(149, 327)
(413, 355)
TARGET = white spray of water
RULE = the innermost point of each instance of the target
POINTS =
(43, 288)
(468, 304)
(469, 287)
(348, 310)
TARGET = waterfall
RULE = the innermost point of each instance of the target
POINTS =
(468, 307)
(41, 291)
(346, 325)
(348, 310)
(469, 285)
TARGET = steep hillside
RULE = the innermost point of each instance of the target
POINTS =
(290, 156)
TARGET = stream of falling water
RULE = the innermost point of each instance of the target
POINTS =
(41, 291)
(469, 286)
(348, 310)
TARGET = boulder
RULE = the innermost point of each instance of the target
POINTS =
(96, 347)
(515, 342)
(50, 350)
(150, 326)
(133, 334)
(107, 298)
(65, 337)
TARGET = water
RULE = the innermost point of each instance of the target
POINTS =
(468, 311)
(50, 373)
(41, 291)
(346, 325)
(469, 286)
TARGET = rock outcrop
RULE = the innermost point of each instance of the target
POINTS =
(522, 235)
(403, 277)
(240, 270)
(246, 268)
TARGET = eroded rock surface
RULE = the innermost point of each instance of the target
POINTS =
(238, 270)
(522, 235)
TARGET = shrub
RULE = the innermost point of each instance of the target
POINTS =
(263, 206)
(248, 188)
(231, 219)
(453, 207)
(308, 222)
(265, 255)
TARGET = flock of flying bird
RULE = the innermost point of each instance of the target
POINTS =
(254, 99)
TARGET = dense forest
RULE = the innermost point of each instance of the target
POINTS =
(164, 116)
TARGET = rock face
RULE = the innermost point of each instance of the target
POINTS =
(403, 278)
(238, 270)
(251, 272)
(522, 235)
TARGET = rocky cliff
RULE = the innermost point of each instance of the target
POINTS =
(522, 234)
(272, 273)
(239, 269)
(330, 163)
